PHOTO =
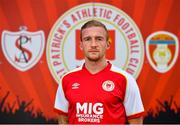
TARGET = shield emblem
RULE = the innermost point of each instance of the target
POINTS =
(162, 50)
(23, 49)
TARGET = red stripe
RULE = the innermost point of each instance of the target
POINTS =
(138, 11)
(4, 88)
(10, 78)
(162, 15)
(61, 7)
(4, 25)
(26, 12)
(117, 4)
(41, 87)
(141, 114)
(51, 12)
(30, 90)
(160, 83)
(43, 84)
(12, 14)
(128, 7)
(60, 112)
(4, 22)
(149, 14)
(171, 85)
(72, 3)
(44, 78)
(39, 13)
(173, 25)
(148, 82)
(146, 24)
(176, 100)
(29, 81)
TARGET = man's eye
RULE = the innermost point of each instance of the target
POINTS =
(86, 39)
(99, 39)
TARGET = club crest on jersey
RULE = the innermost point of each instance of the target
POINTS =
(63, 51)
(162, 50)
(23, 49)
(108, 85)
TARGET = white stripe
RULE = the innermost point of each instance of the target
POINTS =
(132, 101)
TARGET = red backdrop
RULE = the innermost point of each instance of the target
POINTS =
(39, 85)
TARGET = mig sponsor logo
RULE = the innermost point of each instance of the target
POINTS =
(162, 50)
(63, 49)
(89, 112)
(23, 49)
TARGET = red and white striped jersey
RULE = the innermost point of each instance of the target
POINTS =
(109, 96)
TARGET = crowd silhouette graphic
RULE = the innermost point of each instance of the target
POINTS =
(164, 113)
(23, 114)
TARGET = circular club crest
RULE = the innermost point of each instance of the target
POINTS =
(108, 85)
(63, 51)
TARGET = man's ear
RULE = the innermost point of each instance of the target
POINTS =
(80, 45)
(108, 44)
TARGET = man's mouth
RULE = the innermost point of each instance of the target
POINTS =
(93, 51)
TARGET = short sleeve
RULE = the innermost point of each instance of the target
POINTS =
(132, 101)
(61, 103)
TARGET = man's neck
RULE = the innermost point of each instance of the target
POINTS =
(95, 66)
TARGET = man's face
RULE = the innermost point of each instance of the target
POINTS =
(94, 43)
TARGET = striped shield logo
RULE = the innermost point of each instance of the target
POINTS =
(23, 49)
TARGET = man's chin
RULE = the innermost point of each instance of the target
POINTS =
(94, 59)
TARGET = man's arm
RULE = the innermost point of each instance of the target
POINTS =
(133, 104)
(61, 105)
(63, 119)
(138, 120)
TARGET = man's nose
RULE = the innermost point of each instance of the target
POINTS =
(93, 42)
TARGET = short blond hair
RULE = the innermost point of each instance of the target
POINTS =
(94, 23)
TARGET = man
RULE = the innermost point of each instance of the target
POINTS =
(98, 92)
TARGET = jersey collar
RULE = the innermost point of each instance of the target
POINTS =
(107, 68)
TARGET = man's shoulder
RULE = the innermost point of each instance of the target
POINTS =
(73, 72)
(120, 71)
